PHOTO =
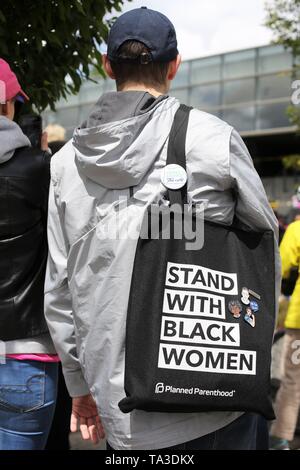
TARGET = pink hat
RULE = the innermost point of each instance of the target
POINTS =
(9, 85)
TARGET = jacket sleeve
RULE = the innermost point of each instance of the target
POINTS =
(289, 249)
(44, 181)
(58, 303)
(252, 206)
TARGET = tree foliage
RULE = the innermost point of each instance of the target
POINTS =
(291, 162)
(52, 44)
(284, 20)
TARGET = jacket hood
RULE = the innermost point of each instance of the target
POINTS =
(11, 138)
(123, 137)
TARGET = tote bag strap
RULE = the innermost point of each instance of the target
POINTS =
(176, 150)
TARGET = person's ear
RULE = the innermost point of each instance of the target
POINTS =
(107, 66)
(4, 110)
(173, 67)
(10, 109)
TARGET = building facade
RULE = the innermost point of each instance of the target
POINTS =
(250, 89)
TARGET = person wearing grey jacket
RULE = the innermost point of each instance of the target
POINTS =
(123, 145)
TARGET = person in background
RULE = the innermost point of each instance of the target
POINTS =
(56, 137)
(287, 402)
(28, 370)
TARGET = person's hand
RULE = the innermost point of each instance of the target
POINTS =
(44, 142)
(85, 413)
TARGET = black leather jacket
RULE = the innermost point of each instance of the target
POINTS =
(24, 184)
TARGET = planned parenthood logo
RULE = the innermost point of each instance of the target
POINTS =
(159, 388)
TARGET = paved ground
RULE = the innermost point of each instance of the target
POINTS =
(295, 445)
(77, 443)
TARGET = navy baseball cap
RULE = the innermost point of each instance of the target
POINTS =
(149, 27)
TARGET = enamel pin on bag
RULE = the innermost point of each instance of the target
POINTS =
(200, 323)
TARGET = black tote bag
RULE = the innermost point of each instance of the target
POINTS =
(200, 323)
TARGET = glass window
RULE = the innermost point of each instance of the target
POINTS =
(274, 86)
(72, 100)
(49, 117)
(297, 60)
(68, 117)
(109, 85)
(239, 91)
(206, 96)
(239, 64)
(273, 59)
(272, 116)
(90, 92)
(206, 70)
(182, 95)
(242, 118)
(217, 112)
(182, 76)
(84, 112)
(69, 133)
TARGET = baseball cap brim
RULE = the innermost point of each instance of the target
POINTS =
(21, 96)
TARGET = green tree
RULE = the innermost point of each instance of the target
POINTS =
(53, 45)
(283, 17)
(284, 20)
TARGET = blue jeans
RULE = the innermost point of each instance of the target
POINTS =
(27, 403)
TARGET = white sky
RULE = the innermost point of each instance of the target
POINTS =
(206, 27)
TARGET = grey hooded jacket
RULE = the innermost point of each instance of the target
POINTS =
(124, 144)
(11, 138)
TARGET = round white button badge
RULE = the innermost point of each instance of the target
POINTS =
(174, 177)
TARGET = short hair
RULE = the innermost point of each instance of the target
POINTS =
(55, 133)
(235, 303)
(150, 74)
